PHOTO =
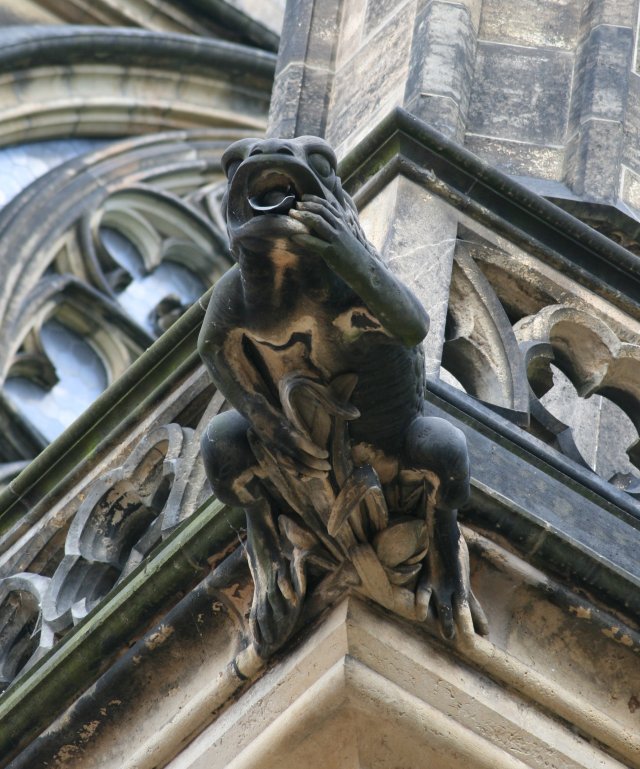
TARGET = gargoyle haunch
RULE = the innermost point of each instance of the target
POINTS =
(317, 346)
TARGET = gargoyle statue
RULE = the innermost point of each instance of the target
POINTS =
(317, 346)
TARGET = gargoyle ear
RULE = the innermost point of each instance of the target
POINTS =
(232, 167)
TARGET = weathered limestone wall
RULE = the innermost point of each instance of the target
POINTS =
(554, 92)
(540, 89)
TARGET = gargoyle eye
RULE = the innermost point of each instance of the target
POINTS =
(321, 164)
(232, 166)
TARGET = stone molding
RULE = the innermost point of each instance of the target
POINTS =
(361, 691)
(159, 195)
(217, 18)
(92, 81)
(354, 668)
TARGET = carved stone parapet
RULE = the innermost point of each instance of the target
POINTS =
(88, 548)
(595, 362)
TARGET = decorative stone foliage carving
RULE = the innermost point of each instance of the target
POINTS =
(344, 479)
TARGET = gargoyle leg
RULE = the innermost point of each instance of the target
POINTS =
(231, 469)
(435, 445)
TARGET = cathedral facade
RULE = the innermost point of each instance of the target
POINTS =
(492, 151)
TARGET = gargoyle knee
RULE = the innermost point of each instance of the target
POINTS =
(228, 459)
(435, 444)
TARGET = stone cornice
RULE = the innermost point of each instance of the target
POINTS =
(70, 44)
(85, 652)
(401, 143)
(96, 81)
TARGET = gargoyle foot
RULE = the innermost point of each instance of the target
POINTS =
(274, 614)
(444, 582)
(277, 598)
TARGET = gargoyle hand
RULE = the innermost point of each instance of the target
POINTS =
(333, 239)
(329, 232)
(445, 579)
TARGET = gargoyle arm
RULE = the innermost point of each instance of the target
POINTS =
(225, 313)
(390, 301)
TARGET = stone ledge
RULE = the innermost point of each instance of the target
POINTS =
(363, 690)
(401, 143)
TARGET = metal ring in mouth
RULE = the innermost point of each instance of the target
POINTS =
(272, 192)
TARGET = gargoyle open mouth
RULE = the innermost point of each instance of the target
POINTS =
(262, 192)
(272, 193)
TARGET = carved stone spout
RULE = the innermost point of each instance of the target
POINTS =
(345, 479)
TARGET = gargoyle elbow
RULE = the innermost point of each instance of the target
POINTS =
(417, 330)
